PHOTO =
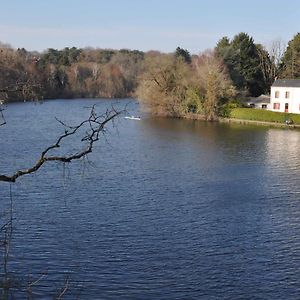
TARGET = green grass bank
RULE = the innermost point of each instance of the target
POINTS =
(263, 115)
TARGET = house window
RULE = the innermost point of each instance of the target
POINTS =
(276, 105)
(277, 94)
(287, 95)
(264, 106)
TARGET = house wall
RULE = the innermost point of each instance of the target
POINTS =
(293, 100)
(261, 105)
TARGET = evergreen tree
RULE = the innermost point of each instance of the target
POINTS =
(243, 62)
(290, 67)
(184, 54)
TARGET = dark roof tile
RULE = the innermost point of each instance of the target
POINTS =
(286, 83)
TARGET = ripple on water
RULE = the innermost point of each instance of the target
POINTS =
(171, 209)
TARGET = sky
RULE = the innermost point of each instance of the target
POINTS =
(195, 25)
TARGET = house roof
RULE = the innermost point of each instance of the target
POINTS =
(262, 99)
(286, 83)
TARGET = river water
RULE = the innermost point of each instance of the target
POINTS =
(162, 209)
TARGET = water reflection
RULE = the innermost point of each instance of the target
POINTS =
(283, 149)
(219, 141)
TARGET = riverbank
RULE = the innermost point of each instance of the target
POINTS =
(242, 116)
(244, 121)
(263, 115)
(260, 123)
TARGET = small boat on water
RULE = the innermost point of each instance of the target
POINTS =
(132, 118)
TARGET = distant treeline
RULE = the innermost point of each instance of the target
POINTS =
(169, 84)
(71, 72)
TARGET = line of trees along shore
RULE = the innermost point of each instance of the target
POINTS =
(174, 84)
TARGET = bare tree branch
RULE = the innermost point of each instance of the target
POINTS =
(95, 126)
(2, 119)
(64, 290)
(31, 284)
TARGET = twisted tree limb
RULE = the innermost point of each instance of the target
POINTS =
(2, 119)
(95, 126)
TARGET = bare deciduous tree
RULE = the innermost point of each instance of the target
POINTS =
(27, 88)
(162, 89)
(214, 81)
(276, 51)
(270, 60)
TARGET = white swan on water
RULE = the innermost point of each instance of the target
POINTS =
(132, 118)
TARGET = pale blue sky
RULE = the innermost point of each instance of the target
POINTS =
(144, 24)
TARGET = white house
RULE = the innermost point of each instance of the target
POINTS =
(285, 96)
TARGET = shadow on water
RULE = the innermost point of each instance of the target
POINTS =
(228, 140)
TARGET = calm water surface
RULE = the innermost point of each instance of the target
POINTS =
(166, 209)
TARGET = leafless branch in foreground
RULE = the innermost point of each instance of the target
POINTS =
(2, 119)
(33, 283)
(64, 290)
(94, 126)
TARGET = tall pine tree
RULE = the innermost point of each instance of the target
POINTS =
(243, 62)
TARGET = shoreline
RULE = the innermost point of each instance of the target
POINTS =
(197, 117)
(260, 123)
(187, 116)
(67, 99)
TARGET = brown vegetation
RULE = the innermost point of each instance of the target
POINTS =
(176, 84)
(172, 87)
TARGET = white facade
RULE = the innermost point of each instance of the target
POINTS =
(285, 98)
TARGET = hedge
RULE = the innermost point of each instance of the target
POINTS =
(263, 115)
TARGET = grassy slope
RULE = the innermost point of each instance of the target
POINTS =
(263, 115)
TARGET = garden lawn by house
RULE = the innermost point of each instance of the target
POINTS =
(263, 115)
